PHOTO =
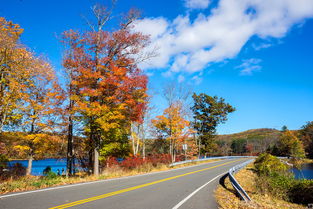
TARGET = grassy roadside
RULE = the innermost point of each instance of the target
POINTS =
(226, 197)
(27, 183)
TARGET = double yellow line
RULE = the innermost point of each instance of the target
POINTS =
(79, 202)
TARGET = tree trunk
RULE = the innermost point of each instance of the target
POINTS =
(174, 152)
(199, 147)
(29, 166)
(171, 150)
(144, 149)
(137, 146)
(70, 149)
(96, 162)
(133, 144)
(4, 116)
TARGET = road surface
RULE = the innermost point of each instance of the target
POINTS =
(190, 187)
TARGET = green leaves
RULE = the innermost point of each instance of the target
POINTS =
(208, 113)
(267, 164)
(290, 145)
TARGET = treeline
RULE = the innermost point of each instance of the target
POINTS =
(101, 108)
(290, 143)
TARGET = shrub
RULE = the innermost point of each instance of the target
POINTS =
(3, 161)
(17, 170)
(46, 170)
(132, 162)
(275, 179)
(302, 191)
(159, 159)
(180, 158)
(111, 161)
(267, 164)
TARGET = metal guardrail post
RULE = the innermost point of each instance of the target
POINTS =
(242, 193)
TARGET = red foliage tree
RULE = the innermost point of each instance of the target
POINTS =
(109, 89)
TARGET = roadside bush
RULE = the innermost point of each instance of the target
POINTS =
(267, 164)
(50, 175)
(17, 170)
(137, 162)
(302, 192)
(180, 158)
(132, 162)
(158, 159)
(111, 161)
(275, 179)
(3, 161)
(46, 170)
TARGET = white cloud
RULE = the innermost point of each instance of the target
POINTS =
(249, 66)
(190, 45)
(155, 27)
(197, 79)
(197, 4)
(181, 79)
(258, 47)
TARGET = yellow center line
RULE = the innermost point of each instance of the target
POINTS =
(71, 204)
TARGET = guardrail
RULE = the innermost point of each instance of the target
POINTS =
(241, 192)
(208, 158)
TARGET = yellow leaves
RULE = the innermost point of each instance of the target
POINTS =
(22, 148)
(172, 122)
(38, 144)
(26, 84)
(110, 119)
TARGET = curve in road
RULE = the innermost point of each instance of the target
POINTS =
(189, 187)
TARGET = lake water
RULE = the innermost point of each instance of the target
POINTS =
(40, 165)
(306, 171)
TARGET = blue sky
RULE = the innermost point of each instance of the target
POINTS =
(256, 54)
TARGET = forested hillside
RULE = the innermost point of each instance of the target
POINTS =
(252, 141)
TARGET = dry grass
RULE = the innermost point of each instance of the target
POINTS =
(227, 199)
(26, 183)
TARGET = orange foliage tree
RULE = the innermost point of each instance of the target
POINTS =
(29, 93)
(110, 90)
(173, 126)
(40, 113)
(15, 72)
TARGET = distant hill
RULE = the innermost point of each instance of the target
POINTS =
(251, 134)
(250, 142)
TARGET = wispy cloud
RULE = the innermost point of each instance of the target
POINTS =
(249, 66)
(197, 4)
(258, 47)
(197, 79)
(180, 79)
(191, 44)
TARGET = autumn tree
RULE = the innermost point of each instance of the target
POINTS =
(71, 42)
(40, 113)
(306, 136)
(290, 145)
(110, 89)
(141, 130)
(29, 92)
(208, 113)
(173, 126)
(15, 72)
(284, 128)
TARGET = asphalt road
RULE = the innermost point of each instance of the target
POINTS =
(191, 187)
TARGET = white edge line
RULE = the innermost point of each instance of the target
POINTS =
(194, 192)
(100, 181)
